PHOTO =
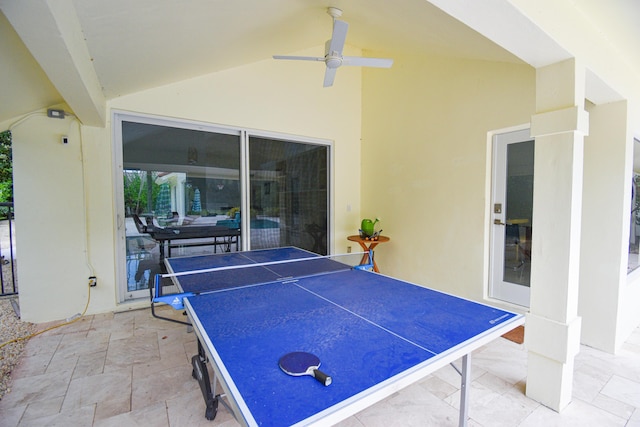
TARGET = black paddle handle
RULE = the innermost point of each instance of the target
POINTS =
(322, 377)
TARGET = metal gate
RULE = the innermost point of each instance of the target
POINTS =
(8, 279)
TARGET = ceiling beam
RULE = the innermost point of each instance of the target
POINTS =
(52, 33)
(501, 22)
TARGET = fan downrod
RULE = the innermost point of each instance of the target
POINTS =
(334, 12)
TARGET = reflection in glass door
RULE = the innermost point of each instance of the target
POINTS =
(512, 217)
(288, 194)
(181, 191)
(191, 188)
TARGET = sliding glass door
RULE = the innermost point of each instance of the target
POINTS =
(190, 188)
(177, 182)
(288, 194)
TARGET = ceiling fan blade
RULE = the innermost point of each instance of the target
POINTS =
(298, 58)
(329, 76)
(338, 37)
(367, 62)
(333, 58)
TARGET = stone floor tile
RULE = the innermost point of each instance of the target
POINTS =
(122, 325)
(114, 406)
(171, 344)
(38, 388)
(77, 418)
(32, 365)
(634, 421)
(634, 338)
(144, 322)
(613, 406)
(624, 390)
(577, 414)
(90, 364)
(62, 327)
(154, 415)
(588, 381)
(97, 388)
(505, 359)
(63, 362)
(410, 407)
(161, 385)
(133, 350)
(479, 397)
(11, 415)
(102, 321)
(78, 343)
(149, 368)
(494, 383)
(42, 345)
(350, 422)
(188, 410)
(451, 375)
(43, 408)
(503, 410)
(438, 387)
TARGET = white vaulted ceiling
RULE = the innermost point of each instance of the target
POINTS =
(84, 52)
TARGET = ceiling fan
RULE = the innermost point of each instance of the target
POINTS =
(333, 58)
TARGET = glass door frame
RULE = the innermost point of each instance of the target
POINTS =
(497, 287)
(118, 117)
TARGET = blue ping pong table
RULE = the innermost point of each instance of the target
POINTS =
(374, 334)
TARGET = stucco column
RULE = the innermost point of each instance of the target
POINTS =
(552, 332)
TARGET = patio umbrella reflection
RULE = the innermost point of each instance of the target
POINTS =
(163, 201)
(196, 206)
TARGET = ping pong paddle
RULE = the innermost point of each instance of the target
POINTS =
(300, 363)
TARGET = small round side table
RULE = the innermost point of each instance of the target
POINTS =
(368, 245)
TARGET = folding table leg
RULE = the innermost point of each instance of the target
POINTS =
(201, 374)
(465, 385)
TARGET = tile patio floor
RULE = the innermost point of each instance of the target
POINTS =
(129, 369)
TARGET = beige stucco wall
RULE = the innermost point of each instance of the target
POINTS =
(604, 229)
(425, 165)
(580, 36)
(53, 192)
(61, 190)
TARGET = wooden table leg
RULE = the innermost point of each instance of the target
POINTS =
(365, 257)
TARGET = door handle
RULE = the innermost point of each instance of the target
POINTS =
(498, 222)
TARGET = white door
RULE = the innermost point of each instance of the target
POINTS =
(512, 211)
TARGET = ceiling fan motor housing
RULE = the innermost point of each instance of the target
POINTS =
(333, 61)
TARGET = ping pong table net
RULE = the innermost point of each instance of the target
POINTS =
(171, 288)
